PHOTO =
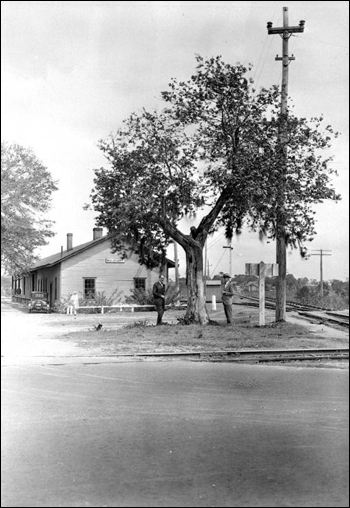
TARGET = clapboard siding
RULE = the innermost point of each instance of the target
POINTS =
(109, 277)
(66, 272)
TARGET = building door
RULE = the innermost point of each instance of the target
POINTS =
(50, 295)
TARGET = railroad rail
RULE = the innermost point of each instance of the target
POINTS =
(308, 311)
(286, 355)
(342, 321)
(256, 356)
(290, 306)
(244, 356)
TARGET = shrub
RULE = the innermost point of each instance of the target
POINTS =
(61, 307)
(142, 297)
(100, 300)
(331, 300)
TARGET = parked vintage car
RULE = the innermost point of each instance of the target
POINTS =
(39, 302)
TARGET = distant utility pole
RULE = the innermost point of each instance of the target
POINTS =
(177, 283)
(321, 253)
(281, 250)
(231, 249)
(208, 269)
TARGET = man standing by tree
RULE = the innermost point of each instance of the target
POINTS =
(227, 295)
(159, 298)
(216, 148)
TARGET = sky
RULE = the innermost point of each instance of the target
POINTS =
(71, 72)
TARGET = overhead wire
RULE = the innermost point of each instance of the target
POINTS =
(215, 241)
(222, 255)
(257, 67)
(267, 52)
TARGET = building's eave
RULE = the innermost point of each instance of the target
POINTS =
(55, 259)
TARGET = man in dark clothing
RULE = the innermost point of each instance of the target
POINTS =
(227, 295)
(159, 297)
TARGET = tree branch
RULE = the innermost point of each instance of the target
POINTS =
(208, 221)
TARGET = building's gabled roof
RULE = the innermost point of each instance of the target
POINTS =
(214, 282)
(66, 254)
(63, 255)
(252, 283)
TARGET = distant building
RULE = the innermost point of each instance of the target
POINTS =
(89, 268)
(252, 286)
(214, 288)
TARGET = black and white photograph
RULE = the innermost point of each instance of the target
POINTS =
(174, 254)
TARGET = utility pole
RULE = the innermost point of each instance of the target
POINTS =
(208, 270)
(281, 248)
(231, 249)
(321, 253)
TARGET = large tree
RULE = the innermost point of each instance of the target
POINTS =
(26, 189)
(215, 147)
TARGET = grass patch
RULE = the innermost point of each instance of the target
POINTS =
(141, 336)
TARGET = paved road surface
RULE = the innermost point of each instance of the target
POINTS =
(174, 434)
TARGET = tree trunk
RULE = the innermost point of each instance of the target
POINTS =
(281, 259)
(196, 306)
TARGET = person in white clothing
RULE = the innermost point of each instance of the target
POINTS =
(73, 303)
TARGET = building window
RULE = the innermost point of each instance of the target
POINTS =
(89, 288)
(140, 283)
(45, 285)
(55, 288)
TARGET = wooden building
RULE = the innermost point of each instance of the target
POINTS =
(214, 288)
(89, 269)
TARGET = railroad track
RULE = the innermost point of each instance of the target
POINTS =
(288, 355)
(256, 356)
(310, 312)
(247, 356)
(290, 306)
(333, 319)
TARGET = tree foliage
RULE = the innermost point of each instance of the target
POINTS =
(216, 146)
(26, 188)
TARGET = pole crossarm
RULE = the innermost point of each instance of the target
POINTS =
(319, 252)
(231, 249)
(281, 57)
(289, 29)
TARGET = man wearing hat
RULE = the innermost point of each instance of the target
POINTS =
(227, 295)
(159, 298)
